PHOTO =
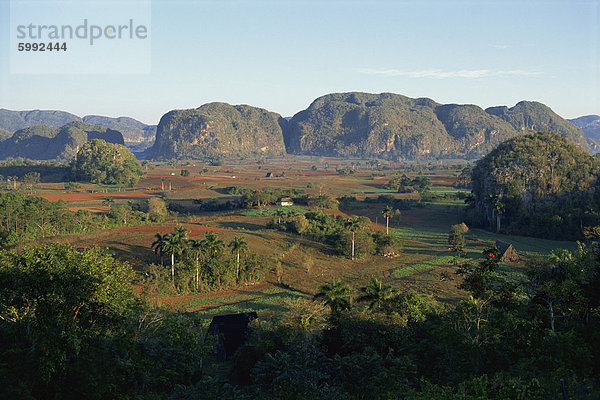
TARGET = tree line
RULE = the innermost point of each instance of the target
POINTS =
(350, 237)
(26, 218)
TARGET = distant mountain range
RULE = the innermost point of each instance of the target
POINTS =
(353, 124)
(137, 135)
(590, 125)
(42, 142)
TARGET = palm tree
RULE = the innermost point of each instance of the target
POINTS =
(213, 248)
(238, 245)
(182, 232)
(497, 208)
(377, 294)
(336, 295)
(195, 249)
(387, 213)
(175, 243)
(158, 246)
(353, 224)
(280, 212)
(213, 245)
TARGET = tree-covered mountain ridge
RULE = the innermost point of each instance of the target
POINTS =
(393, 126)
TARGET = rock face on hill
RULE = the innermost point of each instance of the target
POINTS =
(392, 126)
(46, 143)
(137, 135)
(218, 130)
(590, 125)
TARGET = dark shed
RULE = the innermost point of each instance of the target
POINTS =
(231, 330)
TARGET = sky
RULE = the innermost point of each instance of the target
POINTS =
(281, 55)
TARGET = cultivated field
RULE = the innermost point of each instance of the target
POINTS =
(424, 265)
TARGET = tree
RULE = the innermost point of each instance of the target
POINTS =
(122, 213)
(31, 179)
(195, 249)
(238, 245)
(158, 246)
(336, 295)
(388, 212)
(55, 305)
(353, 225)
(560, 281)
(279, 212)
(14, 180)
(214, 246)
(108, 201)
(377, 294)
(456, 239)
(175, 244)
(157, 209)
(100, 162)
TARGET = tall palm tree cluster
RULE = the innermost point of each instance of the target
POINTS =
(207, 250)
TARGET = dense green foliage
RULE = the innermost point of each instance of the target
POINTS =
(100, 162)
(72, 328)
(393, 126)
(202, 265)
(456, 238)
(343, 234)
(538, 184)
(48, 170)
(219, 130)
(26, 218)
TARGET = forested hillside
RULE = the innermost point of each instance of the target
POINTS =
(538, 184)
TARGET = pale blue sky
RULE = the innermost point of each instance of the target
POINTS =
(281, 55)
